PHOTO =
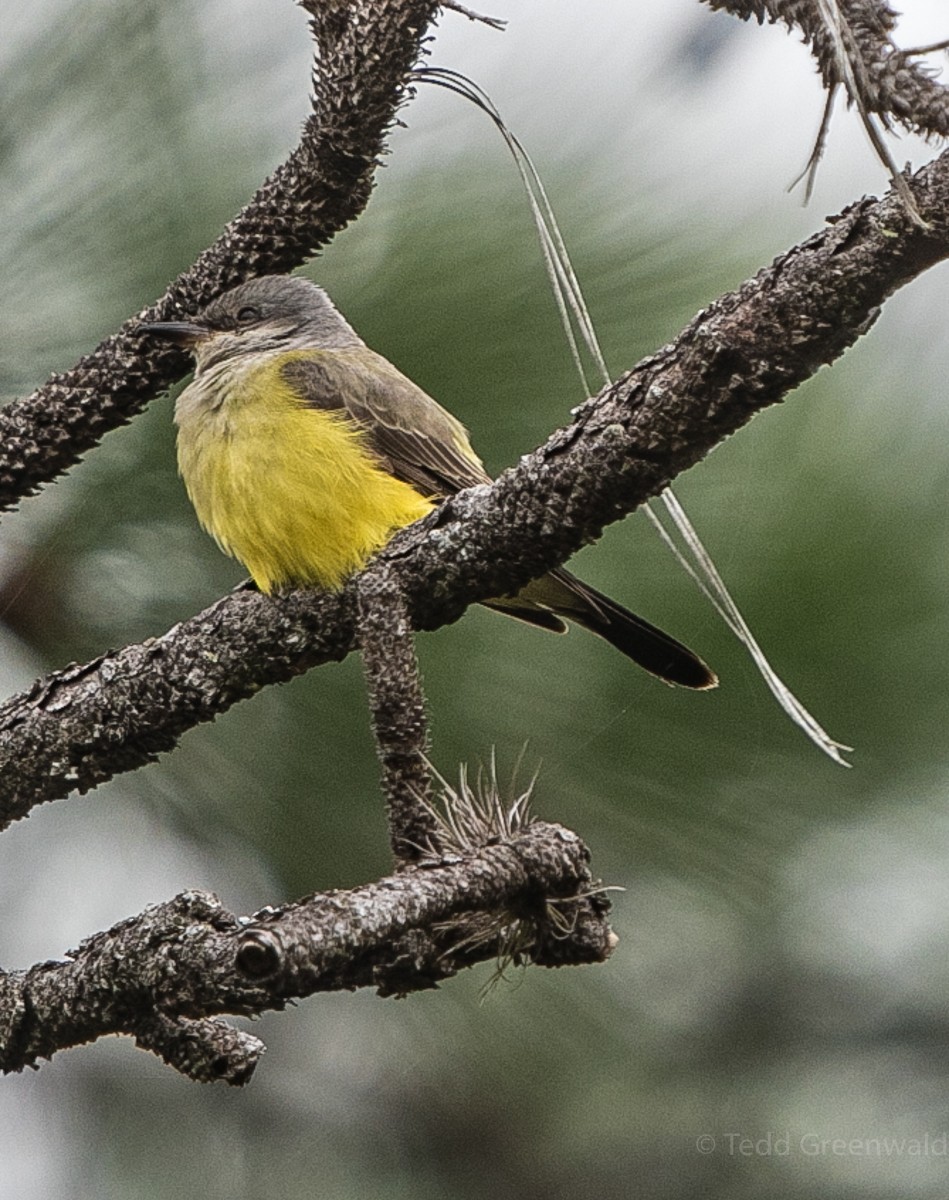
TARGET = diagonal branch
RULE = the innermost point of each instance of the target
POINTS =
(365, 50)
(161, 975)
(748, 350)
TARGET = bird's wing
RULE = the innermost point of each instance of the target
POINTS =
(411, 435)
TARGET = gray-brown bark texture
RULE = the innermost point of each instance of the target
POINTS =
(159, 976)
(163, 977)
(365, 52)
(749, 349)
(889, 83)
(398, 714)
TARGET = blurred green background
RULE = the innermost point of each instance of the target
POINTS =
(781, 975)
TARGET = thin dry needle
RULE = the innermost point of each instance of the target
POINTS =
(578, 329)
(853, 73)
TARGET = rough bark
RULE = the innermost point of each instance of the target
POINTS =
(748, 350)
(523, 888)
(163, 976)
(887, 80)
(398, 715)
(365, 51)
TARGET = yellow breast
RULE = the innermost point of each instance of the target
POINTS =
(290, 491)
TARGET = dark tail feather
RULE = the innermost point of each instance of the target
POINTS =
(563, 594)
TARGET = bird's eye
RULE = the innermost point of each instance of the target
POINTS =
(247, 314)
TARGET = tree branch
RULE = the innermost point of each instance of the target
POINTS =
(161, 975)
(398, 714)
(746, 351)
(365, 50)
(887, 82)
(519, 887)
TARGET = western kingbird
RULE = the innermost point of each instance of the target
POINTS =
(303, 451)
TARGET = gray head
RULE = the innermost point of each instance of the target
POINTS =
(274, 312)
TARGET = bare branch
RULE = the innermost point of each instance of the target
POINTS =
(161, 975)
(206, 1051)
(365, 50)
(746, 351)
(398, 714)
(85, 724)
(884, 77)
(165, 976)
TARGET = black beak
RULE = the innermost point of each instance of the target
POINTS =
(182, 333)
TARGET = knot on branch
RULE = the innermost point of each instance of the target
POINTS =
(258, 954)
(165, 976)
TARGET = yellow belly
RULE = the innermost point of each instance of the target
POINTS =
(289, 491)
